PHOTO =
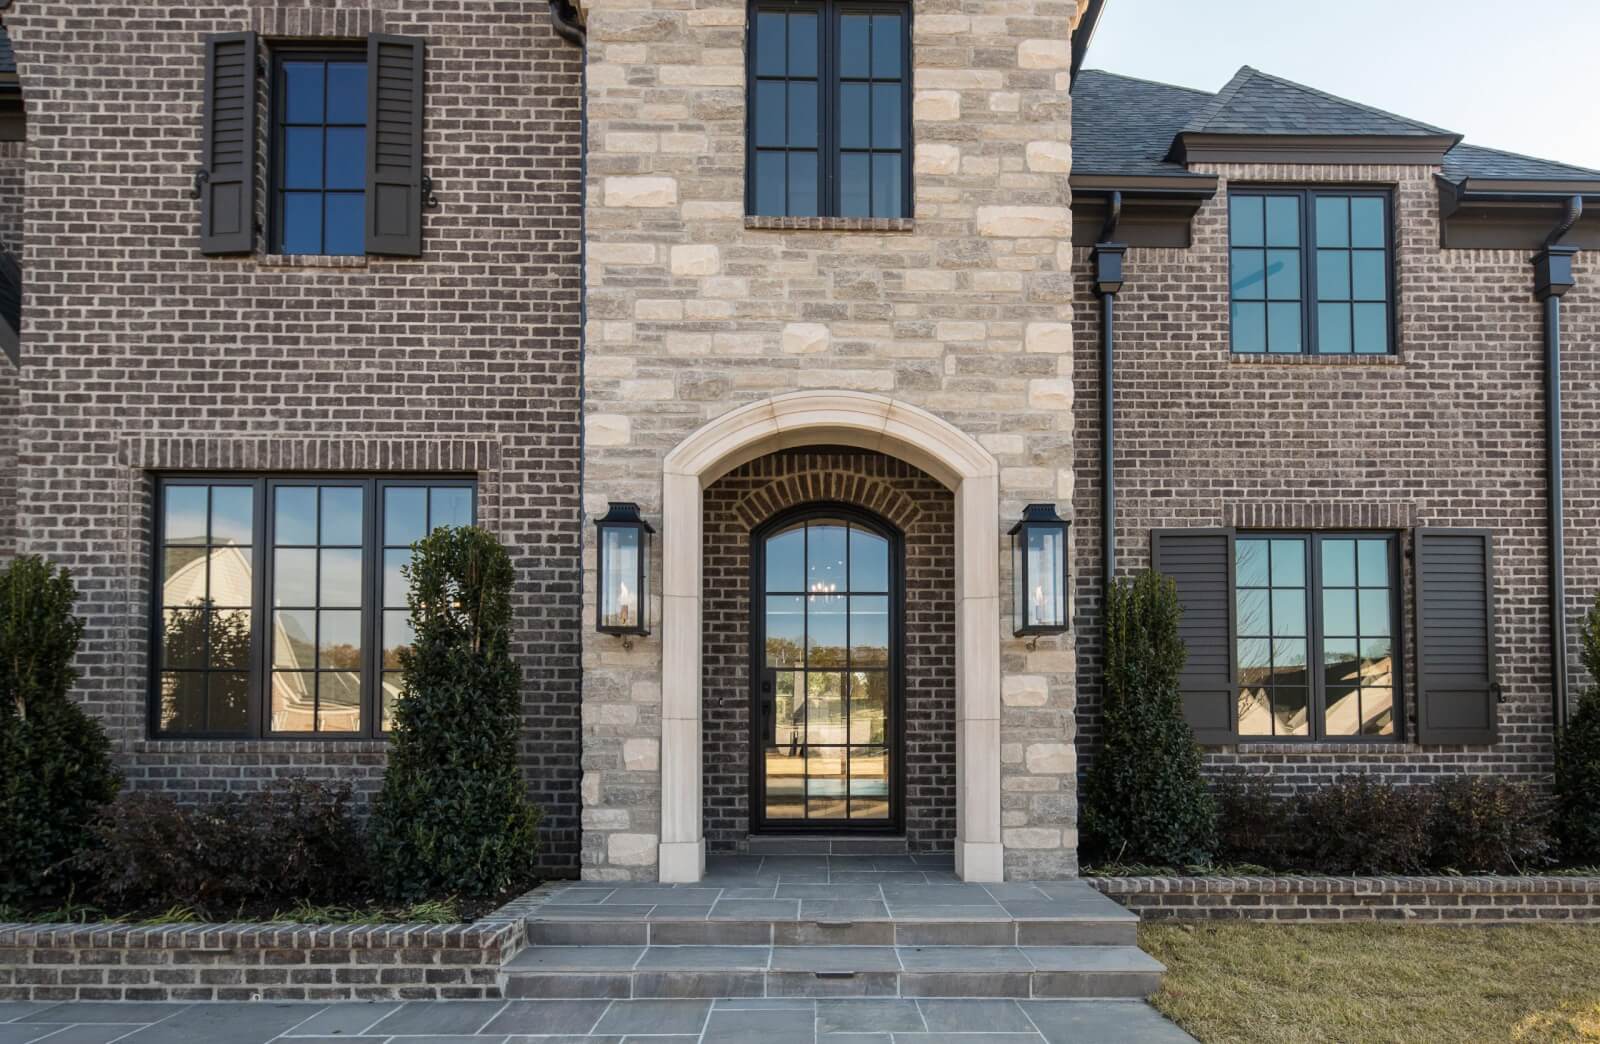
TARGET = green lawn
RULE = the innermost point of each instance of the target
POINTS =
(1355, 984)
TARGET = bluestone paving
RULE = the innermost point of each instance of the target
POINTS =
(721, 1021)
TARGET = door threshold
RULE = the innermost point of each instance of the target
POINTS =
(826, 844)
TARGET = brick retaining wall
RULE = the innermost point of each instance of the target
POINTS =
(234, 962)
(1479, 900)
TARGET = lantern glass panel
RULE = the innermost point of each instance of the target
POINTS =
(1047, 553)
(622, 594)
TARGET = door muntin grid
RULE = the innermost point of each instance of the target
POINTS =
(827, 622)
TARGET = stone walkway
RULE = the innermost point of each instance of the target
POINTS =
(595, 1021)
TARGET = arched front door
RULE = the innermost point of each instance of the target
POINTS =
(827, 594)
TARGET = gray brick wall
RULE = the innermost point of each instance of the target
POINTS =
(924, 511)
(142, 354)
(1448, 433)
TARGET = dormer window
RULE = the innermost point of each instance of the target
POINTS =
(1310, 272)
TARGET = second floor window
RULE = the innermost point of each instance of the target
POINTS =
(830, 116)
(1310, 272)
(320, 152)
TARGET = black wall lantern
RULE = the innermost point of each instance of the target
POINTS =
(1039, 572)
(624, 542)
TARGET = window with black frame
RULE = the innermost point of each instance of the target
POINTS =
(1309, 599)
(1310, 271)
(280, 605)
(830, 116)
(319, 151)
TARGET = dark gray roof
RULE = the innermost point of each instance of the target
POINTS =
(1256, 103)
(1473, 161)
(1121, 125)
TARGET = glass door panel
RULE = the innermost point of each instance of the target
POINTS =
(826, 623)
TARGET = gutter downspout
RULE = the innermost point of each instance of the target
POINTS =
(1553, 277)
(1107, 258)
(564, 17)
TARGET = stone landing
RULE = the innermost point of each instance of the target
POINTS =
(815, 926)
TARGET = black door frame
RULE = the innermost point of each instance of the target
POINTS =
(894, 727)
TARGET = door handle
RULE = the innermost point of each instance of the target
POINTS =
(769, 705)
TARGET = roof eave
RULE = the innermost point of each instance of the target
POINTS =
(1513, 213)
(1190, 147)
(1083, 33)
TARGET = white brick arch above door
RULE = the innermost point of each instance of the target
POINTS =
(861, 421)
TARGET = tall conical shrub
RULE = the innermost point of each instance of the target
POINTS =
(1144, 799)
(55, 760)
(1577, 818)
(453, 817)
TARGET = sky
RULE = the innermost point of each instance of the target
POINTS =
(1520, 75)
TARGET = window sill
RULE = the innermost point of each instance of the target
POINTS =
(829, 224)
(1262, 359)
(1389, 747)
(312, 260)
(246, 745)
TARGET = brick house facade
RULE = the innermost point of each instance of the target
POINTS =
(612, 304)
(463, 362)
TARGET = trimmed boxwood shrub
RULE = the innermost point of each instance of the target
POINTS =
(1361, 825)
(1480, 824)
(1577, 812)
(55, 760)
(453, 817)
(296, 842)
(1144, 798)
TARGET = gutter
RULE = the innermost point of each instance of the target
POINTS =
(1107, 258)
(1553, 277)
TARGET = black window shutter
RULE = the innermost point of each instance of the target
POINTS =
(1200, 562)
(394, 145)
(1456, 688)
(228, 133)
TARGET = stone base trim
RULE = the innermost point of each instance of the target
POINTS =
(1434, 900)
(280, 962)
(980, 861)
(682, 862)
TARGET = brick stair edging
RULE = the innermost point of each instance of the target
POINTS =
(264, 961)
(1442, 899)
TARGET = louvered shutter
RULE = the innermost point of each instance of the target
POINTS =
(1457, 691)
(394, 145)
(228, 134)
(1200, 562)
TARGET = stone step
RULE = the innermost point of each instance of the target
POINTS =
(825, 844)
(687, 971)
(1112, 928)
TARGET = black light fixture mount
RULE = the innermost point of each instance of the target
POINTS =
(623, 539)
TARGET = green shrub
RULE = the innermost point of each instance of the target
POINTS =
(1361, 825)
(55, 760)
(1577, 812)
(295, 842)
(1254, 825)
(453, 817)
(1144, 799)
(1480, 824)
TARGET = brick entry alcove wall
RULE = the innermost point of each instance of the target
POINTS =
(925, 512)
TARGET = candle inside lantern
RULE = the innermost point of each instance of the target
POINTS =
(624, 603)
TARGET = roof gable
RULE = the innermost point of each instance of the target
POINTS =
(1254, 102)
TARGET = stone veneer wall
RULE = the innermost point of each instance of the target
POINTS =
(1422, 900)
(144, 355)
(924, 511)
(1448, 432)
(963, 310)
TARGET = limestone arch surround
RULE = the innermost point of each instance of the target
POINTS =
(861, 421)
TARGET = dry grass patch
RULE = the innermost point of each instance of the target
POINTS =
(1365, 984)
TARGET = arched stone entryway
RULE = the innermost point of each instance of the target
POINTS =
(861, 421)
